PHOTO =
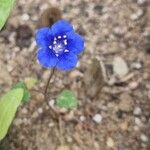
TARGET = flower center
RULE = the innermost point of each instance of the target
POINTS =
(59, 45)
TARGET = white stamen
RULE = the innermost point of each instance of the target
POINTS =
(65, 42)
(59, 37)
(50, 47)
(54, 42)
(64, 36)
(57, 55)
(59, 46)
(55, 38)
(66, 50)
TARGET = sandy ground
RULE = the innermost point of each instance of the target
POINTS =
(114, 109)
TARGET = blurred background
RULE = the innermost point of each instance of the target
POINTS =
(111, 81)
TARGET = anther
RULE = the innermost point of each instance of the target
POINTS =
(50, 47)
(65, 42)
(59, 37)
(64, 36)
(59, 46)
(54, 42)
(66, 50)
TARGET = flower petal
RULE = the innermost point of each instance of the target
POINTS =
(67, 61)
(46, 58)
(75, 43)
(44, 37)
(61, 27)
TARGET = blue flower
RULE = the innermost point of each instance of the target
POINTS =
(59, 46)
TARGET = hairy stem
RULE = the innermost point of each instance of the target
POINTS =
(49, 79)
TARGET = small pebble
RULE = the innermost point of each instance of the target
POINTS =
(136, 128)
(119, 31)
(40, 110)
(63, 147)
(133, 85)
(137, 15)
(35, 114)
(69, 139)
(75, 74)
(97, 118)
(26, 121)
(146, 31)
(51, 102)
(137, 111)
(120, 67)
(44, 6)
(126, 102)
(51, 124)
(82, 118)
(17, 122)
(144, 138)
(138, 121)
(136, 65)
(110, 142)
(140, 2)
(124, 126)
(25, 17)
(24, 111)
(9, 68)
(69, 116)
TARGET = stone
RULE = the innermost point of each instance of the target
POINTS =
(51, 103)
(75, 74)
(24, 111)
(69, 139)
(138, 122)
(18, 121)
(110, 142)
(40, 110)
(141, 2)
(97, 118)
(51, 124)
(63, 147)
(137, 15)
(82, 118)
(35, 114)
(136, 65)
(133, 85)
(119, 31)
(120, 67)
(124, 126)
(137, 111)
(144, 138)
(25, 17)
(126, 102)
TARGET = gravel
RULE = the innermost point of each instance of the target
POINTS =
(97, 118)
(116, 34)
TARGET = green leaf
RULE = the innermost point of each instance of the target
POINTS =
(26, 94)
(5, 8)
(67, 100)
(8, 107)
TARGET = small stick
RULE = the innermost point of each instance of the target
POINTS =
(47, 85)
